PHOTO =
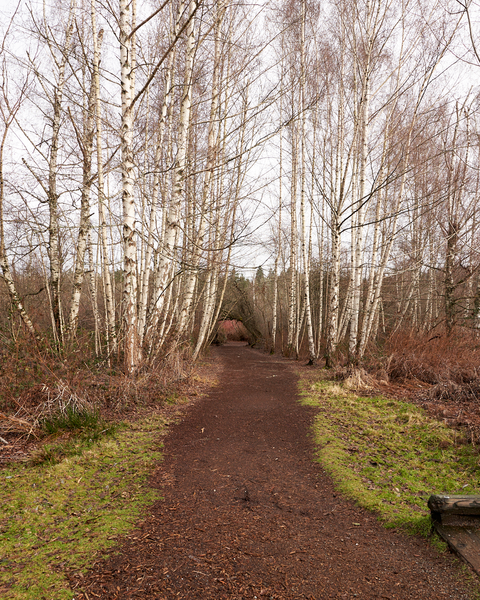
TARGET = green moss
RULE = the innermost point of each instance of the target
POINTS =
(389, 456)
(57, 517)
(85, 430)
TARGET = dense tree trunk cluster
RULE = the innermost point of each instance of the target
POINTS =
(386, 141)
(144, 144)
(136, 131)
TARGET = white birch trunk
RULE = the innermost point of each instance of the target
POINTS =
(4, 264)
(110, 328)
(172, 225)
(333, 297)
(279, 241)
(292, 318)
(342, 163)
(303, 181)
(52, 194)
(164, 113)
(93, 292)
(127, 41)
(212, 151)
(357, 231)
(86, 144)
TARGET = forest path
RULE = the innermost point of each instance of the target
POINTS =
(247, 513)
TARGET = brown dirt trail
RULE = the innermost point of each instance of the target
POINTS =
(247, 513)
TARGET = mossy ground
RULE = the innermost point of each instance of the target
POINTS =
(57, 516)
(389, 456)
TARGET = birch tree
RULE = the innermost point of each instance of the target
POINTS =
(172, 219)
(9, 108)
(59, 50)
(110, 329)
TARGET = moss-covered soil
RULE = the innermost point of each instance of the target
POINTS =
(388, 455)
(57, 515)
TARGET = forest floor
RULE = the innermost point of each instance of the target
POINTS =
(247, 513)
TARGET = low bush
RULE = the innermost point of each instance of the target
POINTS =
(435, 359)
(42, 392)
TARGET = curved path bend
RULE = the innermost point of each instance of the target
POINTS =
(247, 513)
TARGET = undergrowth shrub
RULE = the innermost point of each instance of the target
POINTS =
(433, 358)
(20, 370)
(355, 378)
(450, 364)
(42, 391)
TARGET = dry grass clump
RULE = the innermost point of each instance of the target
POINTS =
(40, 403)
(466, 392)
(61, 399)
(16, 425)
(154, 382)
(354, 378)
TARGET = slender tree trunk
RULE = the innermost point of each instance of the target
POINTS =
(164, 114)
(4, 265)
(132, 352)
(110, 328)
(333, 299)
(292, 320)
(212, 152)
(93, 292)
(85, 141)
(303, 178)
(54, 253)
(279, 240)
(357, 243)
(172, 224)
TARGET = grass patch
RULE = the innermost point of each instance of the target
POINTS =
(72, 419)
(84, 429)
(56, 516)
(389, 456)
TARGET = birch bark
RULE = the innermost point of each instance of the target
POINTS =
(303, 183)
(110, 329)
(362, 201)
(292, 318)
(8, 113)
(164, 113)
(85, 141)
(342, 165)
(172, 224)
(279, 233)
(52, 193)
(132, 354)
(212, 152)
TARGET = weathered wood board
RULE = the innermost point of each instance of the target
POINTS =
(457, 520)
(465, 541)
(458, 505)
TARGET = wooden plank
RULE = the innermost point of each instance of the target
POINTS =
(459, 505)
(465, 541)
(460, 520)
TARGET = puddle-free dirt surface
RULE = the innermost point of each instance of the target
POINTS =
(247, 513)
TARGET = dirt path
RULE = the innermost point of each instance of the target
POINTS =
(247, 514)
